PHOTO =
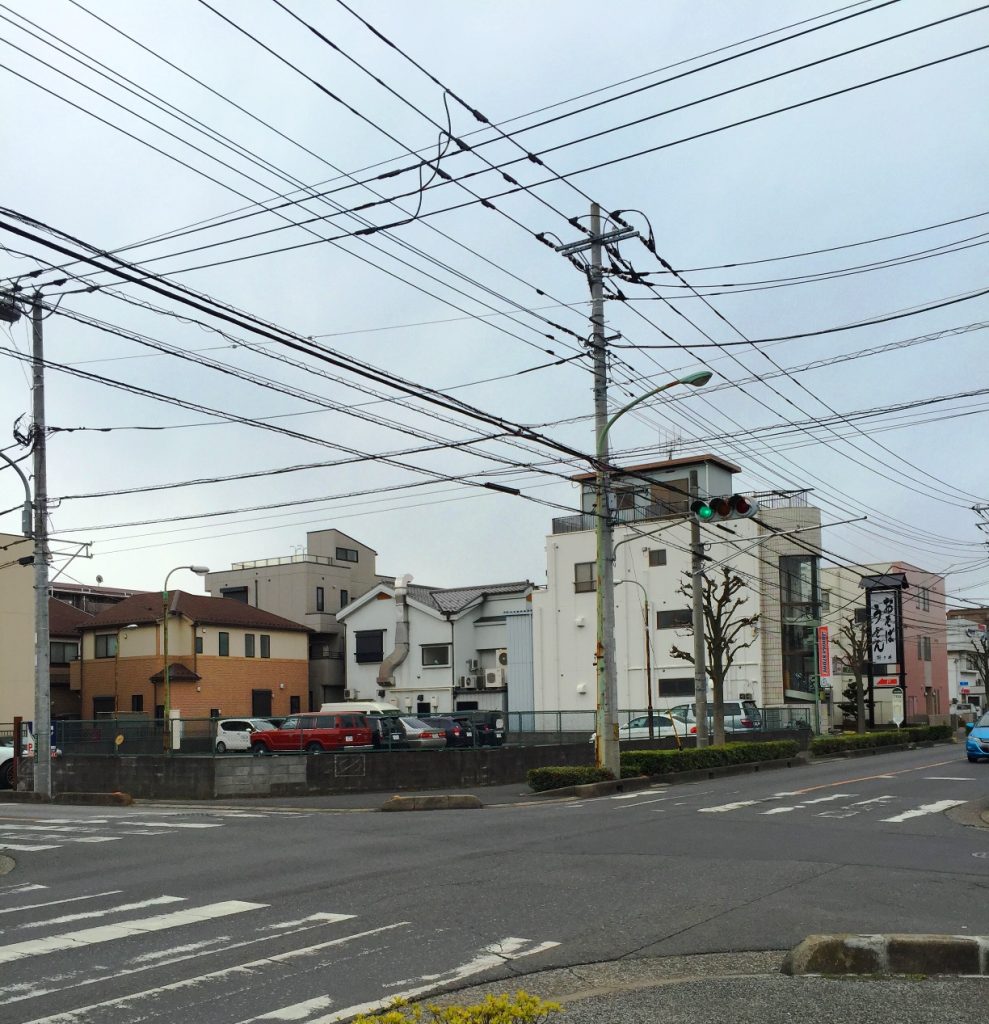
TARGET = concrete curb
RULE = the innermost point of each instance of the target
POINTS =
(95, 799)
(443, 802)
(889, 954)
(890, 748)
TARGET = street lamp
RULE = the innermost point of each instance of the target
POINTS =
(199, 570)
(606, 748)
(645, 620)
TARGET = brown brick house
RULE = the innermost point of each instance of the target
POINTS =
(63, 631)
(224, 657)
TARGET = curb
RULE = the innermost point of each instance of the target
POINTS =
(95, 799)
(889, 954)
(445, 802)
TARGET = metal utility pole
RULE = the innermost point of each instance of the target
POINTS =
(697, 593)
(42, 679)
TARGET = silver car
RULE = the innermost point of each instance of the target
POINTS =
(419, 735)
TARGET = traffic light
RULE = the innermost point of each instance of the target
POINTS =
(714, 510)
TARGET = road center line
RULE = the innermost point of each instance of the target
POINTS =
(870, 778)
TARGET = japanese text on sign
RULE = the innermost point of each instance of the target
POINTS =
(883, 626)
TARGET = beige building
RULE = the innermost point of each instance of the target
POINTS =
(308, 587)
(16, 629)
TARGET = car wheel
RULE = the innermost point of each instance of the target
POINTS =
(314, 748)
(7, 775)
(221, 747)
(972, 759)
(259, 750)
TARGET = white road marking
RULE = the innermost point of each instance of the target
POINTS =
(177, 824)
(12, 890)
(84, 1014)
(156, 901)
(633, 796)
(917, 812)
(781, 810)
(490, 956)
(107, 933)
(21, 848)
(57, 903)
(948, 778)
(91, 839)
(721, 808)
(826, 799)
(632, 807)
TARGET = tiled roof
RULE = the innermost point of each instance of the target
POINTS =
(177, 673)
(64, 619)
(455, 599)
(144, 609)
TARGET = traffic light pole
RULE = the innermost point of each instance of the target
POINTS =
(697, 593)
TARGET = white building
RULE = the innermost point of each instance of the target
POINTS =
(432, 649)
(778, 561)
(964, 683)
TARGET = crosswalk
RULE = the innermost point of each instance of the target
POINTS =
(106, 956)
(33, 836)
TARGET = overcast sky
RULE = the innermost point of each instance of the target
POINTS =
(466, 300)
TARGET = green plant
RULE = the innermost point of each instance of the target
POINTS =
(886, 738)
(522, 1008)
(659, 762)
(558, 777)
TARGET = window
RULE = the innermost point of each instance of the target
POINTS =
(199, 645)
(971, 665)
(235, 593)
(294, 706)
(584, 577)
(62, 653)
(369, 645)
(265, 645)
(344, 598)
(924, 599)
(137, 702)
(106, 645)
(825, 600)
(435, 655)
(681, 687)
(677, 618)
(923, 648)
(800, 616)
(347, 554)
(657, 556)
(224, 642)
(320, 595)
(214, 712)
(248, 645)
(623, 498)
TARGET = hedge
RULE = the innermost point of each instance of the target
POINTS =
(659, 762)
(542, 779)
(886, 738)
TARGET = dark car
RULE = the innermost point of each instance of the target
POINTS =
(386, 732)
(488, 726)
(459, 733)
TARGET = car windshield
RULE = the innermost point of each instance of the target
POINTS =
(415, 723)
(983, 722)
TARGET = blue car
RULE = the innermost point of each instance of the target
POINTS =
(977, 740)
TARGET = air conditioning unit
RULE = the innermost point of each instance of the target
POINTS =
(472, 665)
(745, 696)
(503, 657)
(492, 678)
(350, 695)
(468, 682)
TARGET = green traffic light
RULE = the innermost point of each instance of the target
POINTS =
(702, 510)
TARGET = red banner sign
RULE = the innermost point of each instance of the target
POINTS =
(823, 652)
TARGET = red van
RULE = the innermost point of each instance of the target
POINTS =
(315, 733)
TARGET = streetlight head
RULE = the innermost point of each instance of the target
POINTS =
(698, 379)
(199, 570)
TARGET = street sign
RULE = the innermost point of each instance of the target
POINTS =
(887, 681)
(823, 653)
(896, 705)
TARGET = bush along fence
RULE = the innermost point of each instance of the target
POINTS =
(661, 762)
(887, 738)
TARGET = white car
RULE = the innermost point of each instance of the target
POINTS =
(663, 725)
(6, 766)
(236, 733)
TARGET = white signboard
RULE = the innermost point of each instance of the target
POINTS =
(896, 705)
(883, 626)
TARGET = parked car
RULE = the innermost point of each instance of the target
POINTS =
(385, 733)
(487, 726)
(740, 716)
(419, 735)
(236, 733)
(663, 725)
(6, 766)
(977, 740)
(314, 733)
(458, 733)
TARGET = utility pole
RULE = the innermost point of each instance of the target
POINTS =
(697, 593)
(42, 679)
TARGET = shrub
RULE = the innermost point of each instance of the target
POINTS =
(520, 1009)
(542, 779)
(659, 762)
(886, 738)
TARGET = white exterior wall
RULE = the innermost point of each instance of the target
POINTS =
(959, 673)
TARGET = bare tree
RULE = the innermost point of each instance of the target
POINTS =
(980, 655)
(725, 623)
(852, 640)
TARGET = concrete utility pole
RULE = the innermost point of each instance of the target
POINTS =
(42, 679)
(697, 593)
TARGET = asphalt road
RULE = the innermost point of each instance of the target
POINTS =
(260, 913)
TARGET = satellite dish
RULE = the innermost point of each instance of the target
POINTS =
(99, 579)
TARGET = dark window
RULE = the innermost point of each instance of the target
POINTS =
(422, 708)
(677, 618)
(923, 648)
(924, 599)
(800, 615)
(344, 598)
(657, 556)
(861, 615)
(682, 687)
(369, 645)
(260, 703)
(224, 641)
(265, 645)
(235, 593)
(103, 707)
(320, 595)
(137, 702)
(160, 712)
(248, 645)
(62, 653)
(106, 645)
(214, 712)
(347, 554)
(199, 645)
(294, 705)
(584, 577)
(435, 654)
